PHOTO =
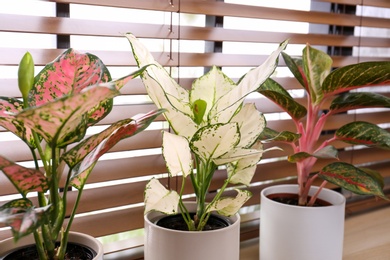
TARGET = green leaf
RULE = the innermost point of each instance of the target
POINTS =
(24, 179)
(354, 179)
(215, 140)
(26, 75)
(199, 109)
(269, 134)
(158, 198)
(276, 93)
(317, 66)
(177, 154)
(295, 65)
(349, 101)
(364, 133)
(356, 75)
(22, 217)
(229, 206)
(328, 152)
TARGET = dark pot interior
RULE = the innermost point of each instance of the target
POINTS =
(176, 222)
(292, 199)
(74, 252)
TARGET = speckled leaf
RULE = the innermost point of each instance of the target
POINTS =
(64, 121)
(84, 155)
(355, 100)
(251, 123)
(269, 134)
(211, 87)
(229, 206)
(328, 152)
(158, 198)
(24, 179)
(177, 154)
(216, 140)
(276, 93)
(317, 66)
(69, 74)
(354, 179)
(242, 171)
(9, 107)
(22, 217)
(357, 75)
(364, 133)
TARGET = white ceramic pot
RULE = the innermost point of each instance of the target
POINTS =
(8, 245)
(167, 244)
(301, 233)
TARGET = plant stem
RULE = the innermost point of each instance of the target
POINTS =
(64, 238)
(40, 248)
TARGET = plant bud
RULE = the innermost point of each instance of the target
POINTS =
(26, 75)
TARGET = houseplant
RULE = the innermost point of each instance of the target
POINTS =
(313, 70)
(67, 96)
(211, 127)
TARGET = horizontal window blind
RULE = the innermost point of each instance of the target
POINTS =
(187, 37)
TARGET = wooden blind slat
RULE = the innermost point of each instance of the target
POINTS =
(235, 10)
(62, 25)
(156, 5)
(376, 3)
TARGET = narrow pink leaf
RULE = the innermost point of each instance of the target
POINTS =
(84, 156)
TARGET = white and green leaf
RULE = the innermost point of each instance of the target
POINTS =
(228, 104)
(213, 141)
(229, 206)
(158, 198)
(177, 154)
(251, 123)
(243, 170)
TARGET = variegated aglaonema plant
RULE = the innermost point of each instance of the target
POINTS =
(67, 96)
(212, 127)
(323, 86)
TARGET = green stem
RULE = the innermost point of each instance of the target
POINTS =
(64, 239)
(40, 247)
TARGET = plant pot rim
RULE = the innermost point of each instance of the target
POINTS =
(151, 218)
(74, 237)
(335, 198)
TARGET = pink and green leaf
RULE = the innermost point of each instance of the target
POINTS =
(24, 179)
(84, 156)
(357, 180)
(68, 74)
(9, 107)
(364, 133)
(22, 217)
(269, 134)
(356, 76)
(317, 66)
(64, 120)
(328, 152)
(355, 100)
(276, 93)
